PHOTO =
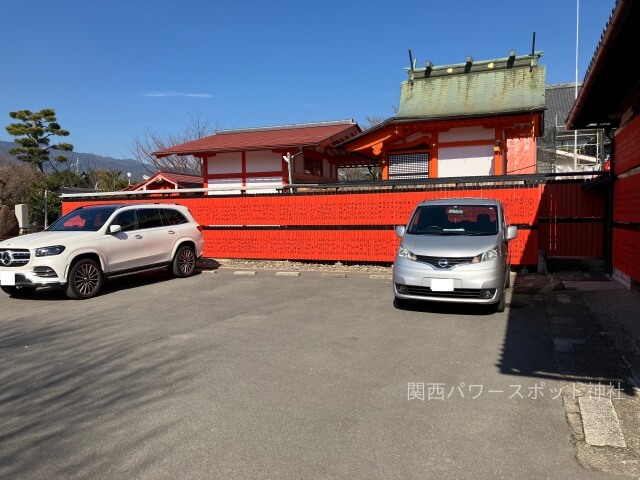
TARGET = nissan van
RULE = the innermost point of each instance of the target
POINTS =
(454, 250)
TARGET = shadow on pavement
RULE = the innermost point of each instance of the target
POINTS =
(111, 285)
(566, 342)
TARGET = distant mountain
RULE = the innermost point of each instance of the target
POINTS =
(84, 162)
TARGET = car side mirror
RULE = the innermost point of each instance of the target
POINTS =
(115, 228)
(512, 232)
(400, 229)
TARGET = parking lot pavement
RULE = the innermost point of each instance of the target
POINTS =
(274, 376)
(594, 327)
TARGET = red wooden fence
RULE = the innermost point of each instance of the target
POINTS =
(357, 226)
(626, 201)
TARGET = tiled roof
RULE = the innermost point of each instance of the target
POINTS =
(286, 136)
(559, 100)
(499, 86)
(182, 179)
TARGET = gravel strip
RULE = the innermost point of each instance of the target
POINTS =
(291, 266)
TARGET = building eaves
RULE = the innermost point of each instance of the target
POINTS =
(610, 80)
(398, 121)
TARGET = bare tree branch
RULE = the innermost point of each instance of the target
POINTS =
(144, 147)
(15, 180)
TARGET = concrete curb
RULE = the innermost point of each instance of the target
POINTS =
(298, 273)
(375, 276)
(600, 422)
(600, 405)
(333, 275)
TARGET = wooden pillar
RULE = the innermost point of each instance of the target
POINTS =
(433, 156)
(384, 163)
(498, 158)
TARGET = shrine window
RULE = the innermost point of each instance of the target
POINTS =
(409, 166)
(313, 167)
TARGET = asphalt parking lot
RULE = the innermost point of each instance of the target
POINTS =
(269, 377)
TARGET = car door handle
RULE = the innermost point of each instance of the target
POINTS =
(139, 237)
(171, 232)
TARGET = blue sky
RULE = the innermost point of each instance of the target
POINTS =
(114, 69)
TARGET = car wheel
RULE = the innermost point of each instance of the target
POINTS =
(85, 279)
(508, 284)
(18, 291)
(184, 262)
(501, 305)
(401, 303)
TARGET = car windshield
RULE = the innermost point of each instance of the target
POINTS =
(83, 219)
(454, 220)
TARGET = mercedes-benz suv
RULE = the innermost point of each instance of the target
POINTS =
(92, 243)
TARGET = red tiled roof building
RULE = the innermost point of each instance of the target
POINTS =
(257, 158)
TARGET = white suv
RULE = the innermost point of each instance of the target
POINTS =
(91, 243)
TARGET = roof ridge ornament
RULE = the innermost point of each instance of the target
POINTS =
(470, 65)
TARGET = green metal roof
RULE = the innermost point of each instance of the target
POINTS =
(507, 85)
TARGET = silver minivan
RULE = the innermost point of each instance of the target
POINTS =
(454, 250)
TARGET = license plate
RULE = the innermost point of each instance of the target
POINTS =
(442, 285)
(7, 279)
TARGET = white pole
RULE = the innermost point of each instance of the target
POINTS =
(289, 159)
(575, 132)
(46, 208)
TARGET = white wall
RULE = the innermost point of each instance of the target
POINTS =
(225, 163)
(225, 184)
(268, 185)
(231, 164)
(234, 186)
(263, 161)
(466, 161)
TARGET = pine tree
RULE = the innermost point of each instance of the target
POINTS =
(35, 132)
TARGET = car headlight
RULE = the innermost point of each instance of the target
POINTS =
(408, 254)
(491, 254)
(49, 251)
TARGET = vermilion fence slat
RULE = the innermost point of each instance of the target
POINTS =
(357, 226)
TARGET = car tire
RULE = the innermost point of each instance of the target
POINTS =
(85, 279)
(18, 291)
(184, 262)
(401, 303)
(501, 305)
